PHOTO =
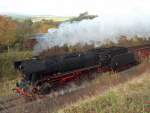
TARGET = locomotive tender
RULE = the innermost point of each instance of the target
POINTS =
(44, 74)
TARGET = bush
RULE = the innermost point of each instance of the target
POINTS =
(7, 70)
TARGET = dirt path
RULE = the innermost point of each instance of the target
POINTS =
(74, 93)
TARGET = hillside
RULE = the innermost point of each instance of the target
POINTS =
(130, 97)
(48, 17)
(123, 92)
(35, 18)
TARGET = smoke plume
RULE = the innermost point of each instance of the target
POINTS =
(100, 29)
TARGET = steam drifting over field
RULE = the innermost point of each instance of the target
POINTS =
(100, 29)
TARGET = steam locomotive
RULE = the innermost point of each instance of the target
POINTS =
(45, 74)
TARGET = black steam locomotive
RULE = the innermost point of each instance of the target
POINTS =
(36, 70)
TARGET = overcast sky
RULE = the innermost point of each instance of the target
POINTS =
(74, 7)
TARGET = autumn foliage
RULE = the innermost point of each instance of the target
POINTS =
(7, 30)
(14, 32)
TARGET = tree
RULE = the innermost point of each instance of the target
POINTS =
(23, 31)
(7, 31)
(83, 16)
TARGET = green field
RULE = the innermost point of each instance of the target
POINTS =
(54, 18)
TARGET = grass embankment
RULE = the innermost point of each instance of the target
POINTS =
(8, 75)
(6, 88)
(129, 97)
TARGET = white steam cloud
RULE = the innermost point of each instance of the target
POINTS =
(100, 29)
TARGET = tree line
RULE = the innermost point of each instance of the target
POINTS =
(14, 32)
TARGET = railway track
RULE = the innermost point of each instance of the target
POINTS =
(6, 103)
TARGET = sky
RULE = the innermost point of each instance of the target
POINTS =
(74, 7)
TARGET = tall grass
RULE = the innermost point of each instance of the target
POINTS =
(8, 75)
(127, 98)
(6, 88)
(6, 63)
